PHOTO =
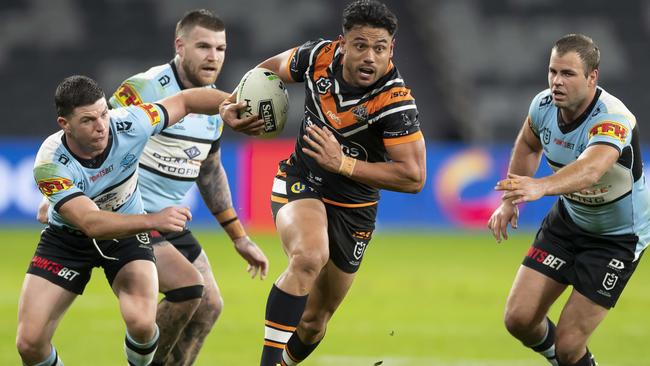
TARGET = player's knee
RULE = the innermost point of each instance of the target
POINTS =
(313, 327)
(211, 307)
(518, 323)
(309, 264)
(29, 347)
(141, 329)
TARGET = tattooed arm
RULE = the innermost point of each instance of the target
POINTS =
(214, 188)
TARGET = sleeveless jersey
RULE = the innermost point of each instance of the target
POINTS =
(111, 179)
(364, 120)
(619, 203)
(171, 160)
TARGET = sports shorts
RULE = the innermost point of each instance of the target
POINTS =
(349, 228)
(66, 257)
(183, 241)
(597, 266)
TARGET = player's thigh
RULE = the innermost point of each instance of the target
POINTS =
(40, 308)
(302, 226)
(532, 294)
(174, 270)
(579, 318)
(136, 286)
(330, 288)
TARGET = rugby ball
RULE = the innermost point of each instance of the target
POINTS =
(265, 95)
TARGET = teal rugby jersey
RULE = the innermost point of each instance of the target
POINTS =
(111, 179)
(619, 203)
(171, 160)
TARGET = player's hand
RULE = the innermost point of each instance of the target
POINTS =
(506, 213)
(229, 112)
(41, 214)
(519, 189)
(171, 219)
(323, 147)
(257, 262)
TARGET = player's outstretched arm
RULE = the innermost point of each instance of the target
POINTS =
(83, 213)
(279, 65)
(405, 172)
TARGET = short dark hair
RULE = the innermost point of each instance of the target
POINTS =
(201, 17)
(584, 46)
(369, 12)
(76, 91)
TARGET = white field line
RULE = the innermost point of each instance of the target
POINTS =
(331, 360)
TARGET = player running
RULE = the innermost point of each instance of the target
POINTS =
(360, 133)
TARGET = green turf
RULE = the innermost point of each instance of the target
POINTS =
(419, 299)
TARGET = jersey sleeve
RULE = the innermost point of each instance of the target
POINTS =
(56, 183)
(133, 91)
(611, 129)
(300, 59)
(534, 115)
(146, 119)
(398, 117)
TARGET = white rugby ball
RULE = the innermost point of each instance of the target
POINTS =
(265, 95)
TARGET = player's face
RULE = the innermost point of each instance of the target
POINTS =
(566, 79)
(86, 128)
(202, 52)
(366, 55)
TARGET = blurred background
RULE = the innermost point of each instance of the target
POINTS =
(433, 290)
(473, 67)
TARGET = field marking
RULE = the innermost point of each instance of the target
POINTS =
(416, 361)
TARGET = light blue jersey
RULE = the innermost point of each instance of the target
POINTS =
(171, 160)
(619, 203)
(111, 179)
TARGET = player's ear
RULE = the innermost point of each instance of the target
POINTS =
(178, 45)
(392, 47)
(63, 123)
(341, 39)
(593, 77)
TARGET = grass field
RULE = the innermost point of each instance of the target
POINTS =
(419, 299)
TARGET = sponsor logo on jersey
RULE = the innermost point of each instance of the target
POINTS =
(609, 129)
(164, 80)
(609, 281)
(51, 186)
(545, 258)
(126, 95)
(64, 159)
(564, 144)
(123, 126)
(54, 267)
(616, 264)
(143, 238)
(150, 109)
(101, 173)
(192, 152)
(298, 187)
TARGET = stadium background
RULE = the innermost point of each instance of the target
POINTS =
(473, 67)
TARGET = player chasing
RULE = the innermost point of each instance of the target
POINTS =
(596, 232)
(170, 164)
(360, 134)
(88, 173)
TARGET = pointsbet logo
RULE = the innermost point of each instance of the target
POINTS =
(545, 258)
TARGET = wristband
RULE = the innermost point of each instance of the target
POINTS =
(347, 165)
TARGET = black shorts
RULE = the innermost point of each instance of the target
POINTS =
(349, 226)
(66, 258)
(184, 242)
(598, 266)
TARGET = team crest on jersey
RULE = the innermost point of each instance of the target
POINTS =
(546, 135)
(154, 116)
(143, 238)
(360, 112)
(53, 185)
(609, 281)
(126, 95)
(127, 161)
(323, 84)
(609, 129)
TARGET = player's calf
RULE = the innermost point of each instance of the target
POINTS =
(140, 354)
(546, 347)
(52, 359)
